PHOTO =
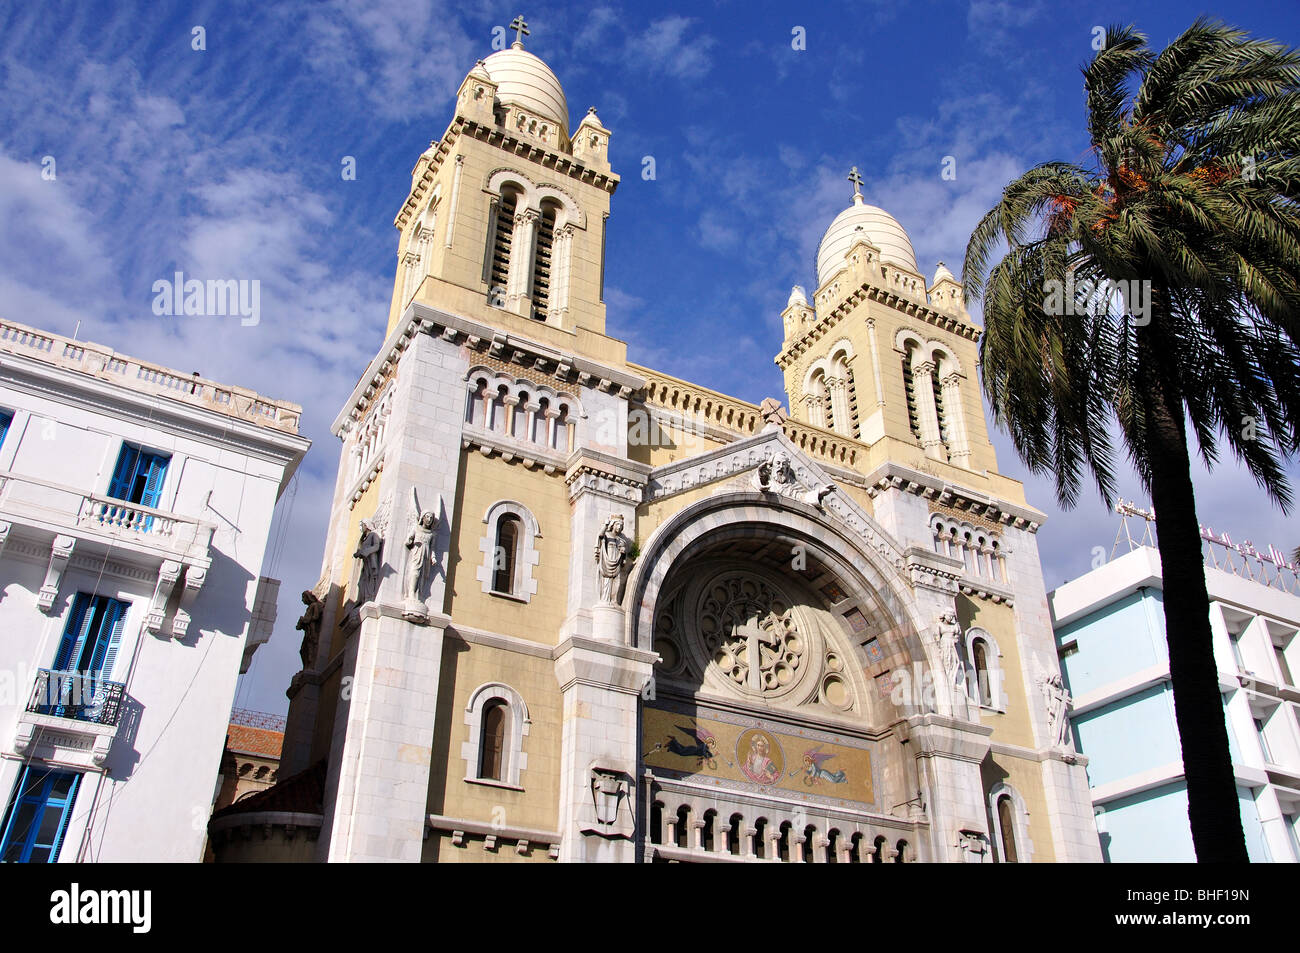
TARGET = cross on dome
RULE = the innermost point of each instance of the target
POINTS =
(856, 179)
(521, 31)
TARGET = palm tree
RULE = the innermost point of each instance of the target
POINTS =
(1187, 207)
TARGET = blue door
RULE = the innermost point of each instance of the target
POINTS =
(138, 478)
(37, 817)
(85, 658)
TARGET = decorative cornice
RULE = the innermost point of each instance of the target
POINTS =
(511, 348)
(529, 455)
(894, 476)
(867, 291)
(560, 162)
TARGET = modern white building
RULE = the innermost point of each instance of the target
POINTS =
(135, 507)
(1110, 629)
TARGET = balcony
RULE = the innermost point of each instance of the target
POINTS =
(59, 509)
(71, 719)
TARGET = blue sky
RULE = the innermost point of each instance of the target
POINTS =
(226, 162)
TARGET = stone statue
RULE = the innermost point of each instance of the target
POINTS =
(419, 552)
(611, 556)
(309, 623)
(948, 636)
(1057, 700)
(775, 475)
(368, 551)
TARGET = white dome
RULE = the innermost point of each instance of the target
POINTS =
(797, 296)
(880, 228)
(524, 80)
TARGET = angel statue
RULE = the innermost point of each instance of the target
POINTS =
(419, 550)
(611, 554)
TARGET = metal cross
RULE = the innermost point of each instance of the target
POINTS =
(856, 180)
(520, 28)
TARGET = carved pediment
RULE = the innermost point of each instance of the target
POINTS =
(770, 464)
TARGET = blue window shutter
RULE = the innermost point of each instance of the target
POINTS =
(63, 821)
(156, 472)
(5, 420)
(124, 473)
(110, 637)
(74, 633)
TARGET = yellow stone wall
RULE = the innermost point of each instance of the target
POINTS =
(1012, 727)
(1026, 777)
(466, 666)
(483, 482)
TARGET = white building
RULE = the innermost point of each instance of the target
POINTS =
(1110, 627)
(135, 507)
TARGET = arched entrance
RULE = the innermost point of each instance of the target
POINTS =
(770, 732)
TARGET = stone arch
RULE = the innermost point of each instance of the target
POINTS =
(524, 584)
(876, 580)
(515, 760)
(1020, 819)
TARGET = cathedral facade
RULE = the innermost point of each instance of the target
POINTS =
(575, 609)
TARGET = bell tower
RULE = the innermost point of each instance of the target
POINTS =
(876, 355)
(505, 219)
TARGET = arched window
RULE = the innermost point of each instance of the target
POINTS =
(809, 843)
(492, 741)
(984, 682)
(542, 262)
(980, 651)
(506, 556)
(657, 822)
(900, 855)
(783, 843)
(833, 846)
(760, 837)
(1010, 825)
(509, 547)
(706, 832)
(735, 831)
(881, 845)
(498, 723)
(1007, 823)
(683, 826)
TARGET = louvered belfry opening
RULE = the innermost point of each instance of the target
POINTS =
(505, 228)
(542, 263)
(938, 408)
(913, 415)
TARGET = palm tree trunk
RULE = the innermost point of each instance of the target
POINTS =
(1212, 807)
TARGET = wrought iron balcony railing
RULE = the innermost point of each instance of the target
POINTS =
(81, 696)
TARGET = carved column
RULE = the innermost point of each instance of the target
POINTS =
(957, 436)
(923, 385)
(511, 401)
(519, 275)
(561, 273)
(530, 414)
(552, 412)
(839, 396)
